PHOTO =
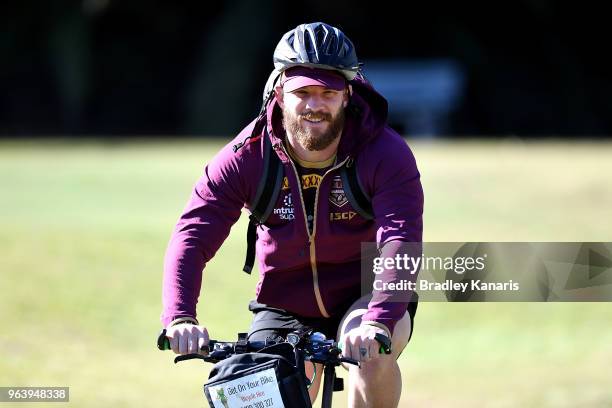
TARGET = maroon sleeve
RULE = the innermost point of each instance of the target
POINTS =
(215, 205)
(397, 201)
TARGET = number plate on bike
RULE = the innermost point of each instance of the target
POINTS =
(257, 390)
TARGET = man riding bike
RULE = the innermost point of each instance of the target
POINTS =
(320, 118)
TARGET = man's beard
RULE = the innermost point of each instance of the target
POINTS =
(310, 138)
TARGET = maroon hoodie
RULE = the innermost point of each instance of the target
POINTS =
(312, 274)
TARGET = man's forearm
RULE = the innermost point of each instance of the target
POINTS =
(388, 306)
(182, 281)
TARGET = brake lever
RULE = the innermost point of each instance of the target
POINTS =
(349, 361)
(186, 357)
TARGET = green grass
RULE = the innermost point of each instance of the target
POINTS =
(84, 227)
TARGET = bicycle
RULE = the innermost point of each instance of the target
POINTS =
(306, 346)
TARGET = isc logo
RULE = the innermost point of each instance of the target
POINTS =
(347, 215)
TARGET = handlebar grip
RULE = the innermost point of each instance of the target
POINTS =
(163, 343)
(385, 343)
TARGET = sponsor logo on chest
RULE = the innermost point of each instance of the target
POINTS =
(308, 181)
(286, 212)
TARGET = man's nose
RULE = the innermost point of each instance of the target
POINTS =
(314, 103)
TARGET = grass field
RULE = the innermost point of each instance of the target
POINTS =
(83, 228)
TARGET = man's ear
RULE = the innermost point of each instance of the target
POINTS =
(347, 96)
(278, 93)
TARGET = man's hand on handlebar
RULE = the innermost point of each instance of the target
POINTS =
(361, 344)
(187, 338)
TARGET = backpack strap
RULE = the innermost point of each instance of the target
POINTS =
(265, 197)
(354, 190)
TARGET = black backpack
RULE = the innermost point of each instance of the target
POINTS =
(270, 185)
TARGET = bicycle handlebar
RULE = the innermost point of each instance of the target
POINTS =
(307, 346)
(316, 348)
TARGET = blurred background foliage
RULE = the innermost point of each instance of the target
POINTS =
(116, 68)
